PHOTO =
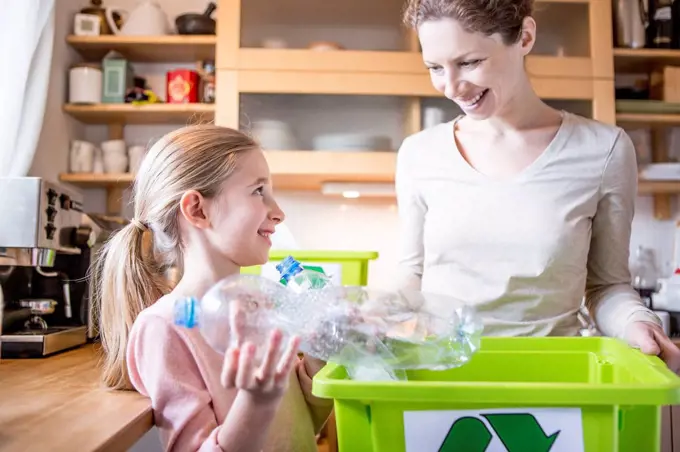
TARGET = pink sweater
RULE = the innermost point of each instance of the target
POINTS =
(180, 373)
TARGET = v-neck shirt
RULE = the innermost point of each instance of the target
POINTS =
(524, 250)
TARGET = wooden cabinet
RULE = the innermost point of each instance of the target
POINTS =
(379, 65)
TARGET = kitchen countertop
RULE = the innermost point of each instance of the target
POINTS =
(58, 404)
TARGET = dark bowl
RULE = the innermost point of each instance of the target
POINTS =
(195, 24)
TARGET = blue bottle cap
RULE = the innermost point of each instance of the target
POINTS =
(288, 268)
(186, 312)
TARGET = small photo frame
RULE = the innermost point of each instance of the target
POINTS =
(86, 25)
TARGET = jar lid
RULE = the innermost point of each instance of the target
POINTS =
(90, 65)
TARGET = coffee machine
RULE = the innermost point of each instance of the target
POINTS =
(45, 250)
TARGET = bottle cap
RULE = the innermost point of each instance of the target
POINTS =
(186, 312)
(288, 268)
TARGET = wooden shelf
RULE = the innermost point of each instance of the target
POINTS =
(654, 187)
(342, 61)
(647, 119)
(308, 170)
(644, 60)
(147, 49)
(369, 83)
(291, 170)
(385, 62)
(92, 180)
(141, 114)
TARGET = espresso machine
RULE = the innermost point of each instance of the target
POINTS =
(45, 251)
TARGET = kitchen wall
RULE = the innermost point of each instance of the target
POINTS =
(316, 222)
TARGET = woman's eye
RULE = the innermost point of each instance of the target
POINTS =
(471, 63)
(435, 69)
(259, 191)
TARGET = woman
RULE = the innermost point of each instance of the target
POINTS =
(516, 207)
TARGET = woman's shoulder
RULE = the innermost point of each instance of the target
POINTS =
(431, 139)
(595, 134)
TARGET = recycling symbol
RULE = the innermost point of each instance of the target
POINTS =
(519, 432)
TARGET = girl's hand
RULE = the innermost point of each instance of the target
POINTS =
(651, 340)
(269, 381)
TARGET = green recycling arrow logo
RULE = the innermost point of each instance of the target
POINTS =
(519, 432)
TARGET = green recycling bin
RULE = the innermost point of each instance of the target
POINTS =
(525, 394)
(348, 268)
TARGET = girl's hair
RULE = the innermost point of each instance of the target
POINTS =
(129, 273)
(489, 17)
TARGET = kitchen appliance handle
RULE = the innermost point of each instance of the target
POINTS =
(644, 12)
(67, 298)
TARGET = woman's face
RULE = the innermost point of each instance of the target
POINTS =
(479, 73)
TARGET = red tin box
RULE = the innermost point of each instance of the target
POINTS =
(182, 86)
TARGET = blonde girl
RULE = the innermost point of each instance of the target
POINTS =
(202, 203)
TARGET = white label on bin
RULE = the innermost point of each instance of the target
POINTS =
(333, 271)
(500, 430)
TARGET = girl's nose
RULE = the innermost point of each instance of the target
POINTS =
(276, 214)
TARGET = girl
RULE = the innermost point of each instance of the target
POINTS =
(202, 202)
(532, 206)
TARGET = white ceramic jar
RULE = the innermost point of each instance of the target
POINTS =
(85, 84)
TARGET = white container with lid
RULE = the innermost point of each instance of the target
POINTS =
(85, 84)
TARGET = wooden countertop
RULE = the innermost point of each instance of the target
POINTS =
(58, 404)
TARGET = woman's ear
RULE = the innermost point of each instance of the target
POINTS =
(194, 209)
(528, 36)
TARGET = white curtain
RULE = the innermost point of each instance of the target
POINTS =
(26, 39)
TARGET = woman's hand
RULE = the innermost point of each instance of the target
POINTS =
(651, 340)
(269, 381)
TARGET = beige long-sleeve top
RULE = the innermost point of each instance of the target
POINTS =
(524, 251)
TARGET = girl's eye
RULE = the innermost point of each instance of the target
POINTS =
(435, 69)
(259, 191)
(469, 64)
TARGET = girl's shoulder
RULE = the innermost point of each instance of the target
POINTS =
(156, 323)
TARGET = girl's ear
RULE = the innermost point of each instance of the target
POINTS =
(194, 209)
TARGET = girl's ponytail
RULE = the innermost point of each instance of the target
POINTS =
(125, 280)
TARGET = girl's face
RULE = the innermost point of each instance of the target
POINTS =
(245, 214)
(479, 73)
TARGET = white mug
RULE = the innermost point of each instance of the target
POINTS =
(114, 147)
(81, 158)
(115, 163)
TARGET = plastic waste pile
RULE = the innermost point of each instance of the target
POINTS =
(375, 335)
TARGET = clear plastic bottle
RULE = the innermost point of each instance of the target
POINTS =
(376, 335)
(238, 309)
(299, 279)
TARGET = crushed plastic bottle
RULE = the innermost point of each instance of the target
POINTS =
(244, 304)
(376, 335)
(298, 278)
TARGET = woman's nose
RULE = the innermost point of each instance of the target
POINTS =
(451, 87)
